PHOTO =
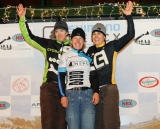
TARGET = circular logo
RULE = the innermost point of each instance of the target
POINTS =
(149, 82)
(20, 85)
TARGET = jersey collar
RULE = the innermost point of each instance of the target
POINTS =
(66, 42)
(100, 45)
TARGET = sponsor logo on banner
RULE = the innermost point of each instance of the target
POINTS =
(88, 28)
(127, 103)
(148, 41)
(36, 104)
(155, 33)
(20, 85)
(18, 38)
(14, 46)
(4, 105)
(149, 82)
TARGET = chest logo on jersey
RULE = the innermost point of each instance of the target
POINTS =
(78, 63)
(64, 49)
(100, 59)
(54, 60)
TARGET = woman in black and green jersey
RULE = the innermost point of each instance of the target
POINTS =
(52, 112)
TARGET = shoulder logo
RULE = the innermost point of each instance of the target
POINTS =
(155, 33)
(127, 103)
(4, 105)
(148, 82)
(18, 38)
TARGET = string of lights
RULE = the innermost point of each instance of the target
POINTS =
(89, 12)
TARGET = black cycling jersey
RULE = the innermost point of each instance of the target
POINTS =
(51, 49)
(104, 58)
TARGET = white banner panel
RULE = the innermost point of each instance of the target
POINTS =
(5, 105)
(35, 105)
(137, 72)
(148, 82)
(158, 102)
(128, 104)
(12, 44)
(21, 85)
(147, 39)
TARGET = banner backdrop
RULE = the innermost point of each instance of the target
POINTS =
(137, 73)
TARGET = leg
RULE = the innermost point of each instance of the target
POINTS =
(47, 108)
(72, 112)
(60, 115)
(87, 110)
(49, 101)
(99, 113)
(111, 107)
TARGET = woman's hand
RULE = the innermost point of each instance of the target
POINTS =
(95, 98)
(21, 11)
(64, 102)
(128, 9)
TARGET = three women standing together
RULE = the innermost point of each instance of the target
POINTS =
(77, 80)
